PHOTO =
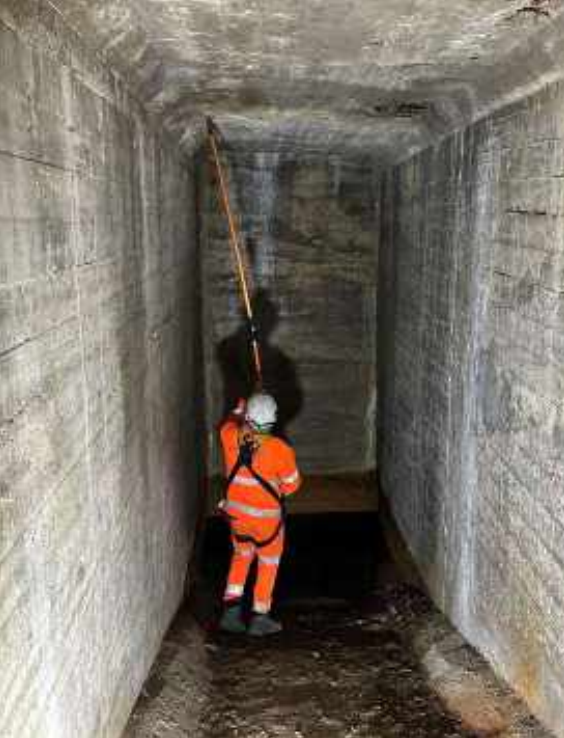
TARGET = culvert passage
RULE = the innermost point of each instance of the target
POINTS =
(363, 653)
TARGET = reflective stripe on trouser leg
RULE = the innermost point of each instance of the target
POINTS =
(241, 560)
(267, 571)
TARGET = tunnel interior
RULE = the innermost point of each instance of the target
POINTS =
(396, 173)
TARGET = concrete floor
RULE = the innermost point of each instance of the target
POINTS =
(380, 661)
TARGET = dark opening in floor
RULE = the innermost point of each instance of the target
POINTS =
(326, 556)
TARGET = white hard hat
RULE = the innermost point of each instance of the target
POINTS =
(261, 411)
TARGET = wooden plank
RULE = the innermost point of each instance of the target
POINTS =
(346, 493)
(335, 493)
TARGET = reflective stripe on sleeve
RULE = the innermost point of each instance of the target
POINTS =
(234, 590)
(291, 478)
(254, 512)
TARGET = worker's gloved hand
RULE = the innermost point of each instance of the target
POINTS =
(253, 332)
(238, 413)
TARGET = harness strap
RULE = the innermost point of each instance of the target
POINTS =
(245, 461)
(238, 464)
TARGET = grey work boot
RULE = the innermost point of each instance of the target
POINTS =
(232, 619)
(264, 625)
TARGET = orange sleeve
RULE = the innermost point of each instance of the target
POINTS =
(229, 434)
(288, 477)
(227, 431)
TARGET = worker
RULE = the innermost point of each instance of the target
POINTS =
(261, 471)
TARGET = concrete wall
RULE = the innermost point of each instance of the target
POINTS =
(97, 352)
(472, 417)
(308, 224)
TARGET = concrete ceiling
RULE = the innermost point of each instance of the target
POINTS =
(384, 76)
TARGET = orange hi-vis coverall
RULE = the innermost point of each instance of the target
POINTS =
(253, 512)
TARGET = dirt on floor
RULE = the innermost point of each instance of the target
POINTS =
(388, 666)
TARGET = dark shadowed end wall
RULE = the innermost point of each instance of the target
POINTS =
(98, 318)
(471, 419)
(308, 224)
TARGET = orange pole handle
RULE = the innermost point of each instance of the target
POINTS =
(236, 247)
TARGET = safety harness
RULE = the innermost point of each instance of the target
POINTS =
(245, 461)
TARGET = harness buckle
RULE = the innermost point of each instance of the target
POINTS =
(246, 452)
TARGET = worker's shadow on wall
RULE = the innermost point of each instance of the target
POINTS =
(235, 360)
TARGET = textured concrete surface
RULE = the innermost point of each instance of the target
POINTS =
(338, 671)
(177, 692)
(471, 416)
(99, 356)
(308, 224)
(97, 353)
(352, 76)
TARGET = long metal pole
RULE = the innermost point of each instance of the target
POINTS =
(236, 247)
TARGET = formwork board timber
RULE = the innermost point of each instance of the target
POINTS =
(339, 493)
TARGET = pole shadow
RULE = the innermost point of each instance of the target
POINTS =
(280, 377)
